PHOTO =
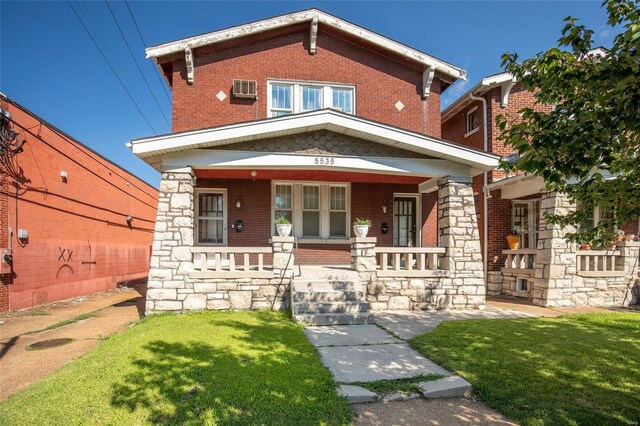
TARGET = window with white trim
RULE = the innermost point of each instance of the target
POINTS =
(291, 97)
(337, 211)
(522, 284)
(525, 217)
(283, 202)
(317, 210)
(472, 121)
(210, 217)
(311, 211)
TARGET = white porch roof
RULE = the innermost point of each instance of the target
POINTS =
(154, 149)
(518, 186)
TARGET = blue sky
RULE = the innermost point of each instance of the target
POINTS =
(49, 64)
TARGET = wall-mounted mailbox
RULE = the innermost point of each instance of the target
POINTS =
(384, 228)
(239, 226)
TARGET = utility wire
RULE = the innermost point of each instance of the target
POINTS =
(164, 86)
(111, 67)
(137, 66)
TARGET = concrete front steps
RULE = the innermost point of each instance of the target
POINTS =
(326, 296)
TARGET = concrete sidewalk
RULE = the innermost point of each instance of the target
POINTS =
(111, 311)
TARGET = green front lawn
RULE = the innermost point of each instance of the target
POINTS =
(571, 370)
(206, 368)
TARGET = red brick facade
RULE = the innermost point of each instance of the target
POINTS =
(79, 240)
(366, 201)
(4, 241)
(380, 82)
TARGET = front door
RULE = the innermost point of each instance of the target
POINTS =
(404, 222)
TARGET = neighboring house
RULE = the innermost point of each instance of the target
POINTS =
(315, 119)
(546, 269)
(73, 223)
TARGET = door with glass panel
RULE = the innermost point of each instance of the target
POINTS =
(211, 226)
(404, 222)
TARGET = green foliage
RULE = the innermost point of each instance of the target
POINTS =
(225, 368)
(593, 131)
(404, 386)
(362, 222)
(281, 220)
(571, 370)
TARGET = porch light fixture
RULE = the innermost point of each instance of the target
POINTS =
(384, 206)
(254, 173)
(238, 203)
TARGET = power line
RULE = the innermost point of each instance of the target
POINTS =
(111, 67)
(157, 73)
(136, 62)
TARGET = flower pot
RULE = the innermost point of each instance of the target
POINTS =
(513, 241)
(283, 229)
(361, 231)
(585, 246)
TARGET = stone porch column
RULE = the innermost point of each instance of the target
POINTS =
(630, 251)
(171, 259)
(283, 254)
(556, 266)
(363, 256)
(459, 235)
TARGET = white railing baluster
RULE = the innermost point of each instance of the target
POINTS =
(224, 262)
(409, 261)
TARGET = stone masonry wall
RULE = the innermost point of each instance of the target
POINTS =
(556, 281)
(460, 281)
(170, 288)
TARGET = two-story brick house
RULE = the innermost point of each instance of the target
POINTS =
(311, 118)
(545, 269)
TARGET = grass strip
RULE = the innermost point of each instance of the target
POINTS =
(62, 323)
(404, 386)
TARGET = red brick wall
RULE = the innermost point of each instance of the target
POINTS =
(454, 129)
(366, 202)
(79, 241)
(4, 241)
(380, 82)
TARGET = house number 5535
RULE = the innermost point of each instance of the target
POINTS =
(325, 161)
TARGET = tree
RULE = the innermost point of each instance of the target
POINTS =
(588, 145)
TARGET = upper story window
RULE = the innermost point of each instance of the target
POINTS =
(291, 97)
(472, 121)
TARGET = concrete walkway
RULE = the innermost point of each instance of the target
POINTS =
(110, 312)
(368, 353)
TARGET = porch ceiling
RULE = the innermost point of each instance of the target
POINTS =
(308, 175)
(474, 160)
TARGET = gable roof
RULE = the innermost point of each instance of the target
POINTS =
(309, 15)
(150, 148)
(505, 81)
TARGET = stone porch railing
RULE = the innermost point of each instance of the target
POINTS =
(600, 263)
(185, 278)
(447, 277)
(520, 261)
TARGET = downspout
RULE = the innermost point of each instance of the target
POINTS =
(485, 209)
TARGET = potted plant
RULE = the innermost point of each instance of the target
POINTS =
(585, 246)
(283, 226)
(513, 240)
(361, 227)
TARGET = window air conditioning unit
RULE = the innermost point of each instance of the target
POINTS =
(247, 89)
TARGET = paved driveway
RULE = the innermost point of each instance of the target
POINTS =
(20, 367)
